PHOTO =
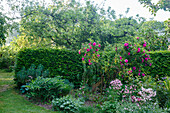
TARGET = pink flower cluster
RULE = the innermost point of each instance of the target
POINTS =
(147, 94)
(93, 48)
(116, 84)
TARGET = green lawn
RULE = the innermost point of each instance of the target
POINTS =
(11, 101)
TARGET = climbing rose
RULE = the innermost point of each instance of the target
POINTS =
(143, 74)
(90, 63)
(89, 60)
(129, 53)
(120, 58)
(79, 52)
(98, 55)
(82, 58)
(150, 64)
(85, 54)
(99, 45)
(134, 68)
(96, 49)
(138, 50)
(126, 44)
(138, 73)
(88, 49)
(137, 37)
(144, 45)
(126, 60)
(116, 49)
(94, 43)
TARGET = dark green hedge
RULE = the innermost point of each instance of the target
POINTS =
(161, 63)
(65, 63)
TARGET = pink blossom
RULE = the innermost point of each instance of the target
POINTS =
(88, 49)
(89, 43)
(128, 53)
(90, 63)
(146, 58)
(138, 73)
(84, 48)
(137, 37)
(142, 60)
(93, 52)
(116, 49)
(96, 49)
(144, 45)
(149, 50)
(126, 44)
(150, 64)
(139, 70)
(127, 47)
(143, 51)
(126, 60)
(89, 60)
(98, 55)
(120, 58)
(82, 58)
(120, 62)
(79, 52)
(99, 45)
(127, 64)
(138, 50)
(143, 74)
(94, 43)
(135, 44)
(85, 54)
(134, 68)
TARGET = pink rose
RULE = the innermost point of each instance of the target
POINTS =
(96, 49)
(94, 43)
(90, 63)
(85, 54)
(120, 58)
(126, 60)
(126, 44)
(138, 50)
(82, 58)
(144, 45)
(137, 37)
(98, 55)
(79, 52)
(89, 60)
(150, 64)
(134, 68)
(99, 45)
(128, 53)
(143, 74)
(88, 49)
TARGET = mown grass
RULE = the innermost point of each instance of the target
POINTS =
(11, 101)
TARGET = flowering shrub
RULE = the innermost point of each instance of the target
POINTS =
(132, 58)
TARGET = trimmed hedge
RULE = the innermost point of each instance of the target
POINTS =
(65, 63)
(161, 63)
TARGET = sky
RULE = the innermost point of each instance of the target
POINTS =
(120, 6)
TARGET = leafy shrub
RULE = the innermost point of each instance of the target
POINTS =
(47, 88)
(65, 63)
(67, 104)
(161, 65)
(87, 109)
(25, 76)
(109, 107)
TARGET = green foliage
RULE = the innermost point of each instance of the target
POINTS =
(109, 107)
(87, 109)
(67, 104)
(59, 62)
(46, 89)
(161, 63)
(25, 76)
